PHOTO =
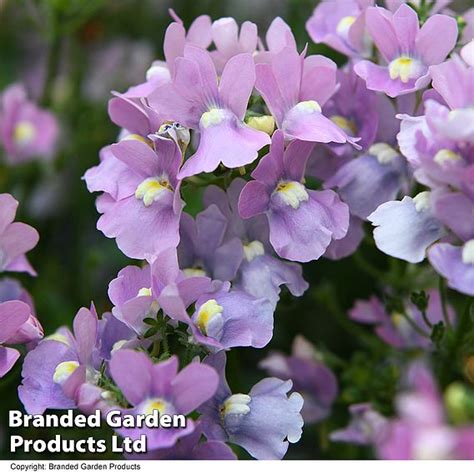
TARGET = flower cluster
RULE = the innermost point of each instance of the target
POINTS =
(290, 157)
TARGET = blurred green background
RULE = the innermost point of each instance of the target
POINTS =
(70, 54)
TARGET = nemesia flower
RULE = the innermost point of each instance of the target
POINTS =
(16, 238)
(196, 99)
(261, 273)
(148, 387)
(405, 229)
(150, 198)
(295, 89)
(311, 378)
(302, 222)
(263, 422)
(341, 25)
(456, 264)
(420, 431)
(225, 319)
(394, 329)
(365, 428)
(17, 326)
(54, 371)
(408, 49)
(26, 131)
(222, 318)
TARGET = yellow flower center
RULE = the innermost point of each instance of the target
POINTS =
(64, 370)
(151, 189)
(405, 68)
(154, 404)
(344, 25)
(207, 312)
(24, 133)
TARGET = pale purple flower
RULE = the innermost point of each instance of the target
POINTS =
(302, 222)
(456, 264)
(148, 386)
(407, 49)
(216, 108)
(54, 371)
(341, 25)
(26, 131)
(405, 229)
(316, 383)
(263, 422)
(16, 238)
(365, 427)
(145, 220)
(295, 89)
(261, 273)
(228, 318)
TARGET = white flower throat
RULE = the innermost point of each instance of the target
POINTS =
(292, 193)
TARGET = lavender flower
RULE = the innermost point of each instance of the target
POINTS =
(407, 49)
(196, 99)
(26, 131)
(295, 89)
(149, 195)
(341, 25)
(262, 422)
(302, 222)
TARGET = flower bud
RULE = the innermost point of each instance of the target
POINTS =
(265, 123)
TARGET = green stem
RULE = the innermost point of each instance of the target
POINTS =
(425, 319)
(415, 326)
(444, 303)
